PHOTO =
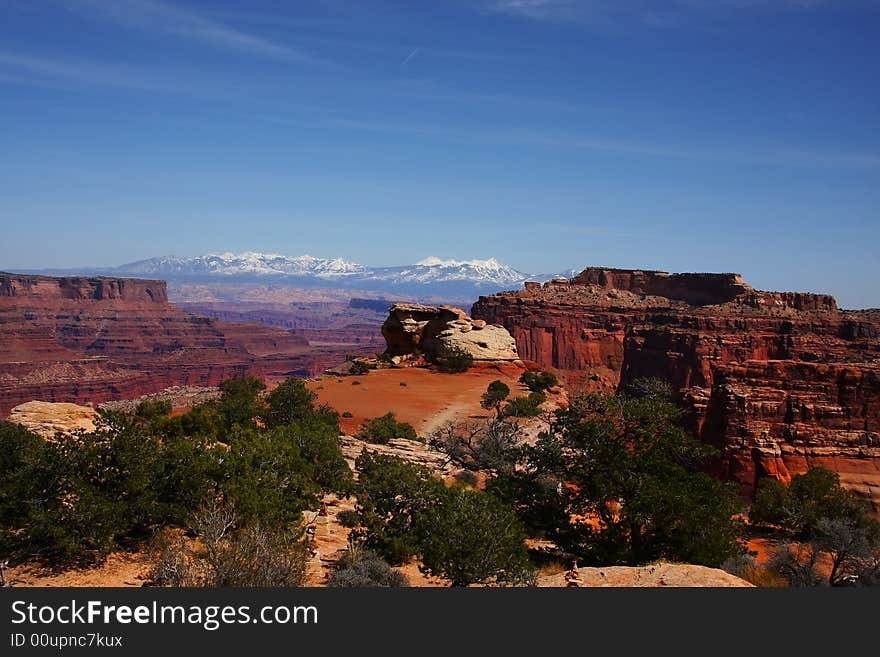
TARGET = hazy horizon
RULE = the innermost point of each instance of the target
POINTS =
(548, 134)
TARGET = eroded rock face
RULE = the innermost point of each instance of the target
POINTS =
(76, 339)
(433, 330)
(780, 418)
(781, 381)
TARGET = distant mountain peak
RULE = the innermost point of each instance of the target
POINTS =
(434, 261)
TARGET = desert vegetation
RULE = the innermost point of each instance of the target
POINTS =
(265, 459)
(454, 360)
(404, 511)
(384, 429)
(828, 536)
(615, 479)
(221, 494)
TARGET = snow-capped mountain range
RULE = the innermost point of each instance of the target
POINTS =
(250, 265)
(432, 277)
(247, 263)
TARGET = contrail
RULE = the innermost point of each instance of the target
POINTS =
(409, 56)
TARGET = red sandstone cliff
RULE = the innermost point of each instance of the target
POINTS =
(780, 381)
(83, 339)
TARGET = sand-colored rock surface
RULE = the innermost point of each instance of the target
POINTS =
(46, 418)
(435, 330)
(654, 575)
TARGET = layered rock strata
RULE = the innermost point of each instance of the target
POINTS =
(78, 339)
(781, 381)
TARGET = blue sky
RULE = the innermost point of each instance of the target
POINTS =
(686, 135)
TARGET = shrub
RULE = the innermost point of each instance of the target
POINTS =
(392, 495)
(349, 518)
(769, 505)
(364, 568)
(320, 448)
(80, 496)
(797, 565)
(454, 360)
(525, 406)
(359, 368)
(150, 410)
(745, 567)
(471, 537)
(249, 556)
(267, 477)
(383, 429)
(348, 415)
(538, 381)
(808, 500)
(464, 535)
(259, 557)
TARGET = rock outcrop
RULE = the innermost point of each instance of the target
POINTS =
(781, 381)
(76, 339)
(659, 574)
(435, 330)
(46, 419)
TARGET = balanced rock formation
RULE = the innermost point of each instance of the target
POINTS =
(781, 381)
(78, 339)
(435, 330)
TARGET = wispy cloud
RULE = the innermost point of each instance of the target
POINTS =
(59, 73)
(155, 16)
(484, 135)
(646, 12)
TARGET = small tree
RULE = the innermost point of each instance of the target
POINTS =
(491, 444)
(495, 394)
(382, 430)
(618, 480)
(239, 401)
(290, 401)
(471, 537)
(454, 360)
(848, 545)
(392, 497)
(797, 564)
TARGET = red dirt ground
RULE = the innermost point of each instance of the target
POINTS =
(427, 401)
